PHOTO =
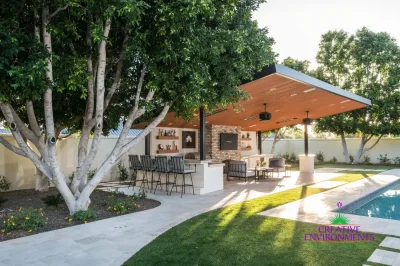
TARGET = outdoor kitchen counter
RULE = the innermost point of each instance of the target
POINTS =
(208, 177)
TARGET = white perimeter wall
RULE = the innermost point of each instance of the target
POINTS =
(333, 148)
(21, 171)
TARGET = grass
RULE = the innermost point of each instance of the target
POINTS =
(237, 235)
(355, 166)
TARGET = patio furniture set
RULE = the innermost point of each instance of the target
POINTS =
(240, 169)
(161, 165)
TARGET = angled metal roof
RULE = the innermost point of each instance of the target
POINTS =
(293, 74)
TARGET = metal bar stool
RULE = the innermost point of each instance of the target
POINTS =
(136, 166)
(178, 168)
(163, 167)
(148, 167)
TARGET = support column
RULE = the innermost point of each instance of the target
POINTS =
(147, 144)
(259, 142)
(202, 144)
(306, 139)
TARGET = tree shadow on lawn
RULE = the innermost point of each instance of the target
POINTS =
(237, 235)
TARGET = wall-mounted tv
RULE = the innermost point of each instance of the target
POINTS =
(228, 141)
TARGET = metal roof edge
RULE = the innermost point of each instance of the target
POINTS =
(291, 73)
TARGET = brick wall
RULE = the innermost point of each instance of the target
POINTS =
(212, 143)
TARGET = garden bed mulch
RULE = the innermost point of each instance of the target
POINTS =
(57, 216)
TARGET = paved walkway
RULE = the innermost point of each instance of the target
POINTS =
(112, 241)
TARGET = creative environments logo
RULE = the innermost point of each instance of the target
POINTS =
(339, 218)
(340, 231)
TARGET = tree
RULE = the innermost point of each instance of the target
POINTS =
(366, 63)
(302, 66)
(281, 133)
(117, 60)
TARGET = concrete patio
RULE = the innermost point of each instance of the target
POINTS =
(112, 241)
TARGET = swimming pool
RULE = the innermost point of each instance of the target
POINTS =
(384, 203)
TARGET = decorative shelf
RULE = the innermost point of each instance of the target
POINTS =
(167, 137)
(167, 151)
(246, 139)
(246, 149)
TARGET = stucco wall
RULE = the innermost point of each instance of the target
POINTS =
(22, 173)
(333, 147)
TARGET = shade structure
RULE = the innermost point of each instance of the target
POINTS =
(288, 94)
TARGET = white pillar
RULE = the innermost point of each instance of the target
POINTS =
(306, 163)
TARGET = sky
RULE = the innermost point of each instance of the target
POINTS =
(297, 25)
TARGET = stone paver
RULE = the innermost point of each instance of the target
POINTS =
(113, 241)
(391, 242)
(384, 257)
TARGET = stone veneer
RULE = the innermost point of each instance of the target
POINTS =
(212, 143)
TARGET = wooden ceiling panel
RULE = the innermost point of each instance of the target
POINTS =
(287, 100)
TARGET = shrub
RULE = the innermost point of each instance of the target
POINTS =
(320, 157)
(384, 159)
(27, 220)
(53, 200)
(83, 216)
(2, 200)
(286, 156)
(351, 157)
(396, 160)
(292, 158)
(123, 172)
(333, 160)
(4, 183)
(142, 194)
(121, 206)
(367, 159)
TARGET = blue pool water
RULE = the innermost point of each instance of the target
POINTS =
(386, 205)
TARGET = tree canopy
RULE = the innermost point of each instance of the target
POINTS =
(368, 64)
(86, 65)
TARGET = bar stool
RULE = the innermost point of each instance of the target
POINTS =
(178, 168)
(163, 167)
(135, 165)
(148, 167)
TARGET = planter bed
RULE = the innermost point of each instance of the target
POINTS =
(57, 217)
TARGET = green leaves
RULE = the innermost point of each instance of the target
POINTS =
(368, 64)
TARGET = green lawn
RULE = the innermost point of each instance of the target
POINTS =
(356, 166)
(236, 235)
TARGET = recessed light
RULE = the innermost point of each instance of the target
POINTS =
(294, 94)
(345, 101)
(309, 90)
(252, 125)
(251, 117)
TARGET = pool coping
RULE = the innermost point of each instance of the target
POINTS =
(320, 208)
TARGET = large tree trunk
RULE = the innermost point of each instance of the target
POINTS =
(360, 152)
(42, 182)
(345, 150)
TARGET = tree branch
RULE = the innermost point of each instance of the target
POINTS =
(11, 147)
(372, 146)
(7, 112)
(146, 131)
(57, 10)
(117, 78)
(32, 119)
